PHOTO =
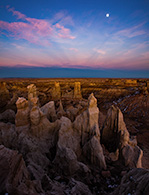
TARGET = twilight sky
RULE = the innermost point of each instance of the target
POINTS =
(75, 34)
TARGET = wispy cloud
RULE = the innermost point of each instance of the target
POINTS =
(37, 31)
(132, 32)
(64, 32)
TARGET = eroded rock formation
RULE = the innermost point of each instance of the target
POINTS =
(86, 124)
(14, 175)
(116, 136)
(135, 181)
(32, 95)
(57, 150)
(22, 115)
(60, 110)
(77, 90)
(49, 110)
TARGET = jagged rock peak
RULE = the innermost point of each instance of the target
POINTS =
(21, 103)
(22, 115)
(93, 113)
(35, 115)
(77, 90)
(32, 91)
(114, 131)
(32, 95)
(49, 110)
(116, 136)
(60, 110)
(92, 101)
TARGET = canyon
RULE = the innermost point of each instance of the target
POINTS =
(74, 136)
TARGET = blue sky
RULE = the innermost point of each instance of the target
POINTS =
(75, 34)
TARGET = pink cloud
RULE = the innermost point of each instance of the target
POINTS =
(37, 31)
(64, 32)
(26, 31)
(73, 49)
(17, 13)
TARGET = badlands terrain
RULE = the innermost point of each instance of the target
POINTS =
(74, 136)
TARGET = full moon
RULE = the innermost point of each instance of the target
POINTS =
(107, 15)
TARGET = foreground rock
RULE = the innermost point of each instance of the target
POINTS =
(8, 116)
(135, 181)
(8, 135)
(14, 175)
